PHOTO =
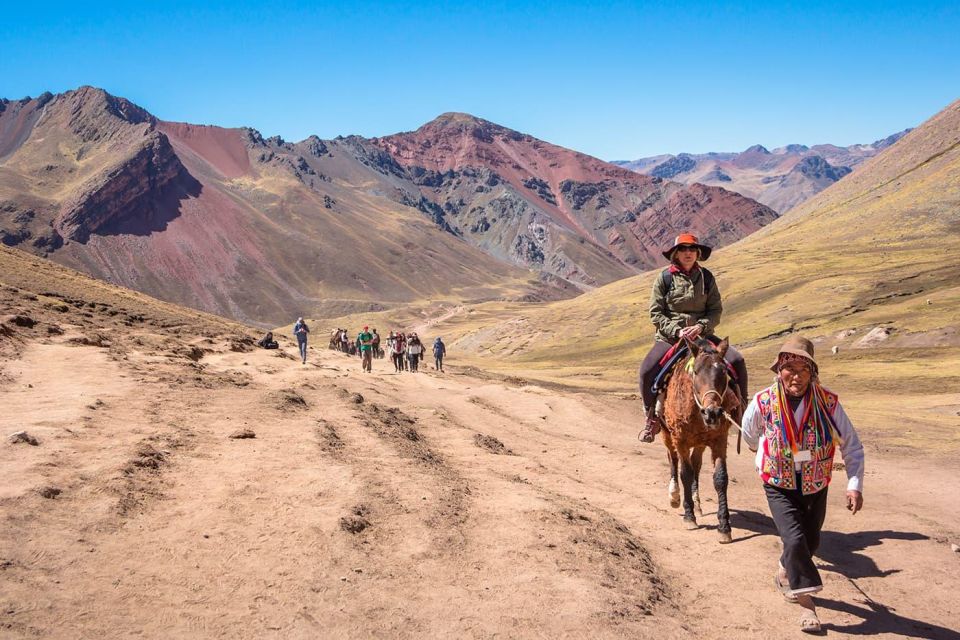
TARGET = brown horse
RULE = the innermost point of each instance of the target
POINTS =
(701, 401)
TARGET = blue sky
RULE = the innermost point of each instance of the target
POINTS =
(616, 80)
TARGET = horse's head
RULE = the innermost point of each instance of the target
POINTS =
(710, 380)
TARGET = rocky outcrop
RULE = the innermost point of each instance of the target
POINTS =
(816, 168)
(674, 167)
(132, 187)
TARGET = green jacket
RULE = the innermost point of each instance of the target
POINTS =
(366, 340)
(685, 305)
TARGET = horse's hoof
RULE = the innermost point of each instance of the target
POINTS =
(690, 524)
(675, 503)
(725, 537)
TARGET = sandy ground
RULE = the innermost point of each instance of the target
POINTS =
(404, 505)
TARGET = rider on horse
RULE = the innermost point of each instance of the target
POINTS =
(685, 304)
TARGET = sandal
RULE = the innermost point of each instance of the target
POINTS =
(784, 589)
(809, 622)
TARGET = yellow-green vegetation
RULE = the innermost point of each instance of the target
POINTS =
(877, 249)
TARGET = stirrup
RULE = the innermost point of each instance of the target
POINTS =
(650, 429)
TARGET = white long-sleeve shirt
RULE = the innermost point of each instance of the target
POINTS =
(851, 449)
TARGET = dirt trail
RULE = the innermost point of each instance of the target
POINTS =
(404, 505)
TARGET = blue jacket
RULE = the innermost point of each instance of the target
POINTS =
(300, 331)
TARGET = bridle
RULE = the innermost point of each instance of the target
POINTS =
(700, 400)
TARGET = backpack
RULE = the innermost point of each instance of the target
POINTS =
(666, 277)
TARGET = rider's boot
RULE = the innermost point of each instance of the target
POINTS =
(651, 428)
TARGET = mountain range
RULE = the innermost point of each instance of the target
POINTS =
(781, 178)
(259, 229)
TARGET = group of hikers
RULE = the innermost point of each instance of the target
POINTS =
(794, 425)
(405, 351)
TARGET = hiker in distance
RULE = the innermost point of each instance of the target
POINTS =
(439, 350)
(300, 331)
(365, 344)
(795, 425)
(684, 304)
(414, 352)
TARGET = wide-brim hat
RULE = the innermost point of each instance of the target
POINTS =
(688, 238)
(798, 346)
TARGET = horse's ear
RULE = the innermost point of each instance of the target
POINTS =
(723, 346)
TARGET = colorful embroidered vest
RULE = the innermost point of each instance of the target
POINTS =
(777, 464)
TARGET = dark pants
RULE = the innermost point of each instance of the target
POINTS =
(650, 367)
(798, 519)
(413, 359)
(367, 359)
(438, 362)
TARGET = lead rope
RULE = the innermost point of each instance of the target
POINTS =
(699, 400)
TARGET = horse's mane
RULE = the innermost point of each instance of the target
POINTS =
(684, 386)
(679, 398)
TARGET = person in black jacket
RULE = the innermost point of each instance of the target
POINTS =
(267, 342)
(439, 350)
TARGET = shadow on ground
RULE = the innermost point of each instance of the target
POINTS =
(875, 619)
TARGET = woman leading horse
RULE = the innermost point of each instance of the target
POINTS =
(685, 305)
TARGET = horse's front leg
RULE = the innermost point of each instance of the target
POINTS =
(696, 460)
(686, 479)
(720, 481)
(673, 490)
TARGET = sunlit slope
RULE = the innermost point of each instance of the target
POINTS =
(76, 298)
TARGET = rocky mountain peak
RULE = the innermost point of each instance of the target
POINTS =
(454, 124)
(453, 117)
(95, 100)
